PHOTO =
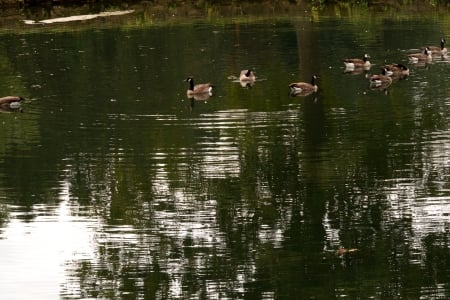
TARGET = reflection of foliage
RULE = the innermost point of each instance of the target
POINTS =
(178, 212)
(437, 250)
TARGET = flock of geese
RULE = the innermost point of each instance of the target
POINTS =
(247, 77)
(389, 72)
(377, 81)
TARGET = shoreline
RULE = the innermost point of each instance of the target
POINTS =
(169, 12)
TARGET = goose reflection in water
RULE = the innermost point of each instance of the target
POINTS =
(198, 98)
(357, 71)
(302, 93)
(247, 84)
(9, 109)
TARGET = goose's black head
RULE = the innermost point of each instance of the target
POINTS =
(191, 82)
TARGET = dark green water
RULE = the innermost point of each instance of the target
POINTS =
(115, 185)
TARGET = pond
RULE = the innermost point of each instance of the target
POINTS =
(116, 185)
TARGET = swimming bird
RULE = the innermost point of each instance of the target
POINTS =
(380, 80)
(439, 50)
(196, 89)
(355, 63)
(396, 70)
(420, 57)
(12, 101)
(247, 75)
(304, 88)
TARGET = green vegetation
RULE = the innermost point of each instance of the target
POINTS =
(162, 13)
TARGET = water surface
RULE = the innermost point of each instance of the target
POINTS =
(115, 185)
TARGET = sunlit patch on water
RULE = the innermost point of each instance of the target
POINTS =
(42, 245)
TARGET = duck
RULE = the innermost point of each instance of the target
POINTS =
(380, 80)
(197, 89)
(304, 88)
(355, 63)
(396, 70)
(11, 101)
(247, 75)
(439, 50)
(420, 57)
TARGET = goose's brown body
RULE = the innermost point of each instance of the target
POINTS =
(298, 88)
(422, 56)
(397, 70)
(7, 100)
(356, 63)
(441, 50)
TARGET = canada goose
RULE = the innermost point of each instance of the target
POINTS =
(380, 80)
(396, 70)
(304, 88)
(355, 63)
(13, 101)
(422, 56)
(439, 50)
(247, 75)
(202, 88)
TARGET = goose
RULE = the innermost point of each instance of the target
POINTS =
(355, 63)
(396, 70)
(247, 75)
(439, 50)
(12, 101)
(197, 89)
(423, 56)
(380, 80)
(304, 88)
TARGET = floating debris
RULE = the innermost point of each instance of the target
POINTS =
(79, 17)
